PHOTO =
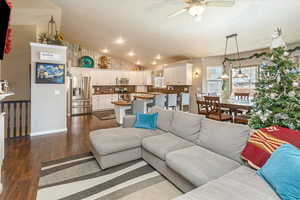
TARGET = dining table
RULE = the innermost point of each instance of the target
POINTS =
(233, 104)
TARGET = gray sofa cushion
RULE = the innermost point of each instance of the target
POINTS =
(199, 165)
(223, 138)
(240, 184)
(186, 125)
(128, 121)
(164, 118)
(162, 144)
(107, 141)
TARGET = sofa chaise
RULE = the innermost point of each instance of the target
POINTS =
(198, 155)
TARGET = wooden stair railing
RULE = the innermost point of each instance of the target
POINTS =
(17, 118)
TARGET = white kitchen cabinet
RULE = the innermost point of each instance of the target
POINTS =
(139, 78)
(179, 75)
(144, 78)
(103, 102)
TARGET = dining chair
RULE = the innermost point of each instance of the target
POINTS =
(213, 109)
(201, 107)
(242, 96)
(185, 100)
(241, 119)
(171, 101)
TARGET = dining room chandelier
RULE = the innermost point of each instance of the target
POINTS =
(240, 74)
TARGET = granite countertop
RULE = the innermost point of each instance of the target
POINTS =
(122, 103)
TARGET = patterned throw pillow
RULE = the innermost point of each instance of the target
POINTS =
(263, 142)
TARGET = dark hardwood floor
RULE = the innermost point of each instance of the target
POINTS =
(23, 156)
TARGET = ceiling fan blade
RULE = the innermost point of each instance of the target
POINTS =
(191, 1)
(220, 3)
(178, 12)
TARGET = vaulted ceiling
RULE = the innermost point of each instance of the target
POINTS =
(148, 32)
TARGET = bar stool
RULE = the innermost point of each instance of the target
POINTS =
(185, 100)
(160, 101)
(171, 101)
(138, 106)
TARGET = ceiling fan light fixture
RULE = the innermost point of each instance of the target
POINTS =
(196, 11)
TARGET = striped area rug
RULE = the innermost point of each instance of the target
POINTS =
(80, 177)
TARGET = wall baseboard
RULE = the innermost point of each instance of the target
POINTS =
(49, 132)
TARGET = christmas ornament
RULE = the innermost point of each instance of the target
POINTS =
(295, 84)
(292, 94)
(286, 53)
(277, 40)
(273, 96)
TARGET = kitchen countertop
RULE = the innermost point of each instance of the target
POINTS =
(145, 96)
(122, 103)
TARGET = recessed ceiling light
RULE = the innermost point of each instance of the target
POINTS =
(158, 57)
(105, 50)
(154, 63)
(131, 53)
(120, 40)
(138, 62)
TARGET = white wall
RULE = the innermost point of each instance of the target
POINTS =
(15, 66)
(48, 101)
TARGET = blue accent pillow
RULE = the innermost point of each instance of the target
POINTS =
(282, 172)
(146, 121)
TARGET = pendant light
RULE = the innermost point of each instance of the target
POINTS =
(240, 74)
(224, 75)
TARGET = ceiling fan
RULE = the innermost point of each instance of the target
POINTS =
(196, 7)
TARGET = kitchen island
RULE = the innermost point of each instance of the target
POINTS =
(120, 108)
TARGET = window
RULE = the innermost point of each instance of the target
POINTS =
(244, 84)
(214, 83)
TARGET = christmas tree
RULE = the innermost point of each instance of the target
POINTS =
(277, 99)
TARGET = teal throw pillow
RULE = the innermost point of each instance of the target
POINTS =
(146, 121)
(282, 172)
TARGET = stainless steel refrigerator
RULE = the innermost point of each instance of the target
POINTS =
(79, 96)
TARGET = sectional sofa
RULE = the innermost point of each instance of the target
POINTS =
(198, 155)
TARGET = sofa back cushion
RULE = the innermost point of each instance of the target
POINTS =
(164, 118)
(223, 138)
(186, 125)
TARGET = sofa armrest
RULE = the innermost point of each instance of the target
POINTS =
(128, 121)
